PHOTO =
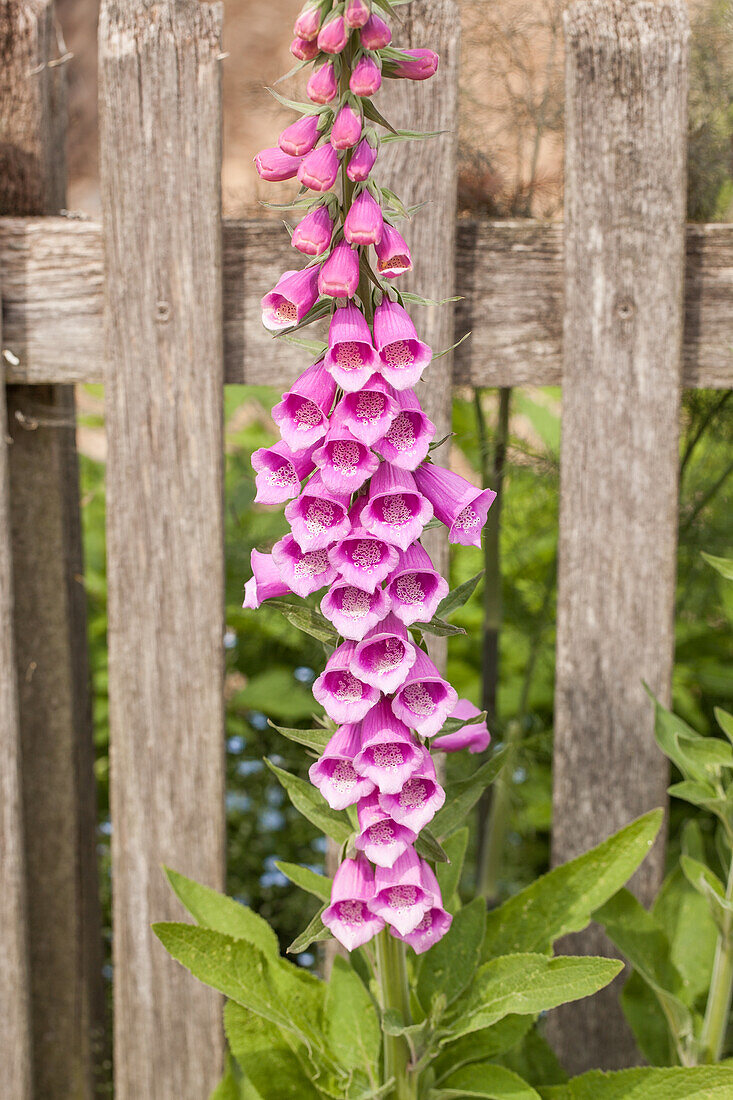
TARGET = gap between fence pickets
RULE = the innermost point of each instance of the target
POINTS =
(510, 275)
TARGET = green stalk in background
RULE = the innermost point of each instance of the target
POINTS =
(395, 994)
(717, 1011)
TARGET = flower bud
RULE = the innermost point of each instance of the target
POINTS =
(422, 65)
(375, 34)
(362, 162)
(319, 169)
(301, 137)
(275, 166)
(313, 234)
(366, 79)
(339, 276)
(346, 129)
(304, 51)
(322, 85)
(307, 24)
(333, 35)
(364, 222)
(356, 14)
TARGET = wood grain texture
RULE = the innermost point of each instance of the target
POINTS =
(160, 110)
(59, 808)
(509, 273)
(626, 126)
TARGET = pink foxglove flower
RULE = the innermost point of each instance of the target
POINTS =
(407, 440)
(318, 170)
(348, 916)
(346, 129)
(343, 697)
(364, 221)
(308, 22)
(403, 356)
(385, 656)
(265, 582)
(302, 415)
(319, 516)
(400, 898)
(389, 754)
(356, 14)
(354, 611)
(280, 472)
(369, 412)
(415, 588)
(475, 737)
(419, 800)
(303, 50)
(339, 275)
(304, 571)
(393, 255)
(362, 559)
(275, 166)
(381, 839)
(333, 35)
(351, 357)
(421, 65)
(344, 462)
(299, 138)
(322, 85)
(375, 34)
(366, 79)
(294, 294)
(425, 699)
(362, 161)
(457, 503)
(334, 773)
(436, 921)
(396, 510)
(312, 235)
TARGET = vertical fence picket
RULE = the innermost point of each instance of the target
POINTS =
(49, 609)
(624, 257)
(160, 110)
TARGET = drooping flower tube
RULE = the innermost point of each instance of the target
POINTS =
(265, 582)
(275, 166)
(381, 839)
(419, 800)
(304, 571)
(363, 559)
(475, 737)
(280, 472)
(435, 922)
(407, 440)
(304, 50)
(364, 221)
(299, 138)
(366, 79)
(354, 611)
(393, 255)
(425, 699)
(417, 65)
(396, 510)
(333, 35)
(389, 755)
(319, 516)
(356, 14)
(339, 275)
(322, 85)
(294, 294)
(403, 357)
(302, 415)
(344, 462)
(343, 697)
(362, 161)
(312, 235)
(351, 357)
(400, 898)
(348, 916)
(368, 413)
(307, 24)
(375, 34)
(334, 773)
(346, 129)
(415, 588)
(457, 503)
(318, 170)
(385, 656)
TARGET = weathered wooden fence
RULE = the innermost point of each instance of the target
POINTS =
(160, 302)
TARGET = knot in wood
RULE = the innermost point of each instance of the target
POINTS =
(625, 307)
(162, 312)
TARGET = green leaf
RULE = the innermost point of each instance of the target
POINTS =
(417, 300)
(310, 881)
(699, 794)
(351, 1021)
(464, 795)
(371, 112)
(484, 1080)
(447, 351)
(562, 900)
(315, 347)
(295, 105)
(411, 135)
(458, 596)
(724, 566)
(709, 753)
(316, 739)
(709, 886)
(725, 721)
(265, 1056)
(535, 1061)
(449, 874)
(213, 910)
(314, 933)
(311, 804)
(452, 725)
(309, 621)
(697, 1083)
(450, 964)
(439, 443)
(648, 1023)
(228, 1088)
(440, 628)
(428, 847)
(481, 1046)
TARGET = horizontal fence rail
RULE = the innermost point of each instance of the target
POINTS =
(509, 274)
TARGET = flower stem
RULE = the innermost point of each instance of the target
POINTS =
(717, 1010)
(395, 992)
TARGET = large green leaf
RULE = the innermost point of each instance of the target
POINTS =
(310, 802)
(724, 566)
(265, 1056)
(648, 1023)
(316, 739)
(450, 964)
(528, 984)
(449, 874)
(534, 1060)
(691, 931)
(309, 621)
(699, 1083)
(310, 881)
(458, 596)
(351, 1022)
(484, 1080)
(481, 1046)
(211, 909)
(462, 796)
(228, 1088)
(562, 900)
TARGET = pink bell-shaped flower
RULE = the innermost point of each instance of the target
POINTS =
(389, 754)
(364, 221)
(352, 610)
(362, 161)
(318, 170)
(293, 295)
(348, 917)
(369, 412)
(403, 357)
(304, 50)
(436, 921)
(351, 357)
(346, 129)
(334, 774)
(333, 35)
(425, 699)
(339, 275)
(302, 415)
(420, 65)
(308, 22)
(304, 571)
(265, 582)
(299, 138)
(343, 697)
(407, 440)
(319, 516)
(393, 255)
(474, 737)
(396, 510)
(312, 235)
(400, 898)
(322, 85)
(279, 472)
(366, 78)
(457, 503)
(356, 14)
(344, 462)
(381, 839)
(415, 588)
(385, 656)
(375, 34)
(419, 800)
(275, 166)
(362, 559)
